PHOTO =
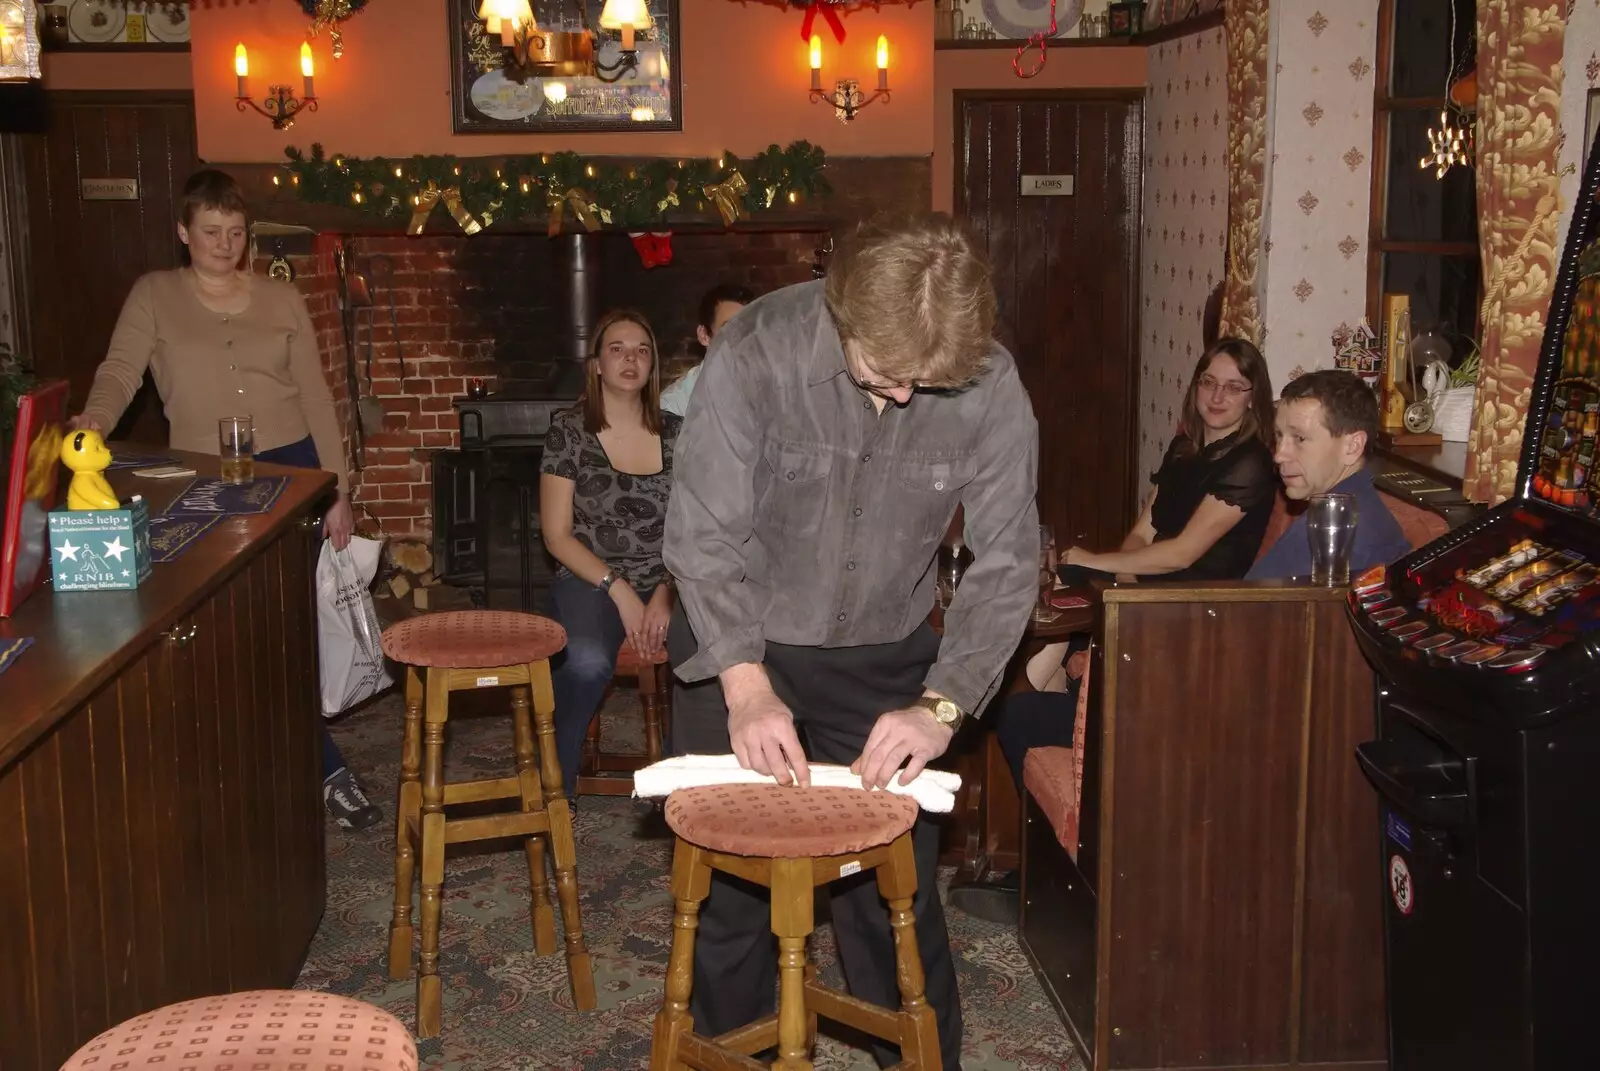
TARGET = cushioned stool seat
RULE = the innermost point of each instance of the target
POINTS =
(468, 639)
(792, 840)
(610, 773)
(263, 1030)
(629, 662)
(775, 822)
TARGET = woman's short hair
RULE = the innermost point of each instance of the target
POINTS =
(917, 298)
(213, 189)
(1257, 415)
(593, 400)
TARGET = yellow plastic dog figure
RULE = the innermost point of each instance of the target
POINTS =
(85, 453)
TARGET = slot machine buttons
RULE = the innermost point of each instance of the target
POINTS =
(1372, 580)
(1519, 659)
(1434, 642)
(1483, 654)
(1408, 631)
(1389, 617)
(1371, 603)
(1457, 650)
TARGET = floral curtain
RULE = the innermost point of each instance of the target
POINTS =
(1519, 134)
(1246, 22)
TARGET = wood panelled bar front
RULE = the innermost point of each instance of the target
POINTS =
(1226, 905)
(160, 781)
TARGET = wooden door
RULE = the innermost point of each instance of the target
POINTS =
(84, 255)
(1066, 271)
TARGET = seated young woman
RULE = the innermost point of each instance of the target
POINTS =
(603, 489)
(1216, 486)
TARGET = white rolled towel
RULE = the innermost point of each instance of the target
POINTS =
(934, 790)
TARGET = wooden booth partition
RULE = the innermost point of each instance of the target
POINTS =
(1225, 905)
(160, 780)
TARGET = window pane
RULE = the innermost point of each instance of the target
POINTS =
(1422, 45)
(1444, 291)
(1422, 208)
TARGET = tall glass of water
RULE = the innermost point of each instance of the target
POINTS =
(1043, 612)
(1331, 528)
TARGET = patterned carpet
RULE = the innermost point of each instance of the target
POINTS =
(506, 1009)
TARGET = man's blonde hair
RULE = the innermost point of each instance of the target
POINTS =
(917, 297)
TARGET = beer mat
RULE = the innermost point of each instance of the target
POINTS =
(11, 650)
(138, 461)
(1061, 600)
(171, 535)
(219, 498)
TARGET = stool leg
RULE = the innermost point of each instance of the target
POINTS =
(544, 916)
(407, 815)
(588, 764)
(691, 884)
(580, 969)
(650, 678)
(792, 886)
(897, 882)
(429, 986)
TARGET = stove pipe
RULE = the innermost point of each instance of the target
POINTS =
(583, 279)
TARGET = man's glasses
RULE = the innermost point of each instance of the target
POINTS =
(1232, 388)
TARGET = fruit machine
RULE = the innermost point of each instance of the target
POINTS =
(1486, 757)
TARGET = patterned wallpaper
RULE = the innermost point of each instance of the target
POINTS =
(1319, 184)
(1185, 225)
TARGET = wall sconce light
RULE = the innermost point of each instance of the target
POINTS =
(846, 97)
(19, 41)
(624, 17)
(280, 105)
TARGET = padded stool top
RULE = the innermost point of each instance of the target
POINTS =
(473, 639)
(773, 822)
(273, 1030)
(629, 662)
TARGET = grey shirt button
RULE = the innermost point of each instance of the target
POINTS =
(866, 404)
(851, 566)
(789, 475)
(841, 617)
(865, 458)
(856, 512)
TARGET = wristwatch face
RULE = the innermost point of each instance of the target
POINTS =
(944, 711)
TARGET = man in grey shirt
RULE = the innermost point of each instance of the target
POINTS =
(834, 431)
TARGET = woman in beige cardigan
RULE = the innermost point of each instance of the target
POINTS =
(223, 342)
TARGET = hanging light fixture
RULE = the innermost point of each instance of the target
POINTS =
(543, 52)
(1452, 142)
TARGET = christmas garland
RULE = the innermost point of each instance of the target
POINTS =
(596, 192)
(327, 15)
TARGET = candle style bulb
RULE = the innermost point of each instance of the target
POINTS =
(883, 62)
(627, 37)
(816, 61)
(306, 68)
(241, 68)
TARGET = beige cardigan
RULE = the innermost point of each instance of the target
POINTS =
(207, 365)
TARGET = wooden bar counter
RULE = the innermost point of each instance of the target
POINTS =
(160, 780)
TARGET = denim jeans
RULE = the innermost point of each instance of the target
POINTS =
(303, 455)
(582, 672)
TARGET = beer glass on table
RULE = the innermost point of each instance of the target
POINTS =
(236, 442)
(1043, 612)
(1331, 528)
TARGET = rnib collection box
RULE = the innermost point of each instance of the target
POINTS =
(100, 549)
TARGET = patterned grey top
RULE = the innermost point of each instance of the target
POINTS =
(620, 517)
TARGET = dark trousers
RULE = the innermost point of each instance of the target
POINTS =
(1034, 719)
(836, 695)
(303, 455)
(582, 672)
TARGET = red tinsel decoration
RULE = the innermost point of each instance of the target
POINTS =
(1038, 40)
(830, 10)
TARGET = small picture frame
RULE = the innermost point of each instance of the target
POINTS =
(1591, 123)
(1125, 19)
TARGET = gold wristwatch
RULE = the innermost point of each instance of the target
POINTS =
(943, 711)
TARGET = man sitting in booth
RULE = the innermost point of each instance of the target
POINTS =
(1326, 424)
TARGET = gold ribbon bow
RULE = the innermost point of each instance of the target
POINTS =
(423, 205)
(670, 200)
(589, 214)
(329, 14)
(726, 196)
(554, 199)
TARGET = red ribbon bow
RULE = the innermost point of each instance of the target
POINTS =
(825, 7)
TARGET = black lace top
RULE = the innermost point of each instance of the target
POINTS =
(1237, 471)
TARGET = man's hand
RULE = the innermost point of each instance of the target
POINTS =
(82, 422)
(761, 727)
(897, 737)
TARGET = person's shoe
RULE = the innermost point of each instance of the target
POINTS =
(347, 802)
(998, 899)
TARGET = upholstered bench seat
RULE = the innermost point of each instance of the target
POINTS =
(1050, 775)
(774, 822)
(470, 639)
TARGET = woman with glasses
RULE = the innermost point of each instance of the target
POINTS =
(1215, 488)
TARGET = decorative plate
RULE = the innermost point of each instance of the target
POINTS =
(1018, 19)
(168, 23)
(96, 21)
(498, 97)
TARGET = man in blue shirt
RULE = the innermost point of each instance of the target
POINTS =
(1327, 422)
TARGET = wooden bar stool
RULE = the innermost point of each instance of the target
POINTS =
(263, 1030)
(466, 650)
(652, 677)
(792, 840)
